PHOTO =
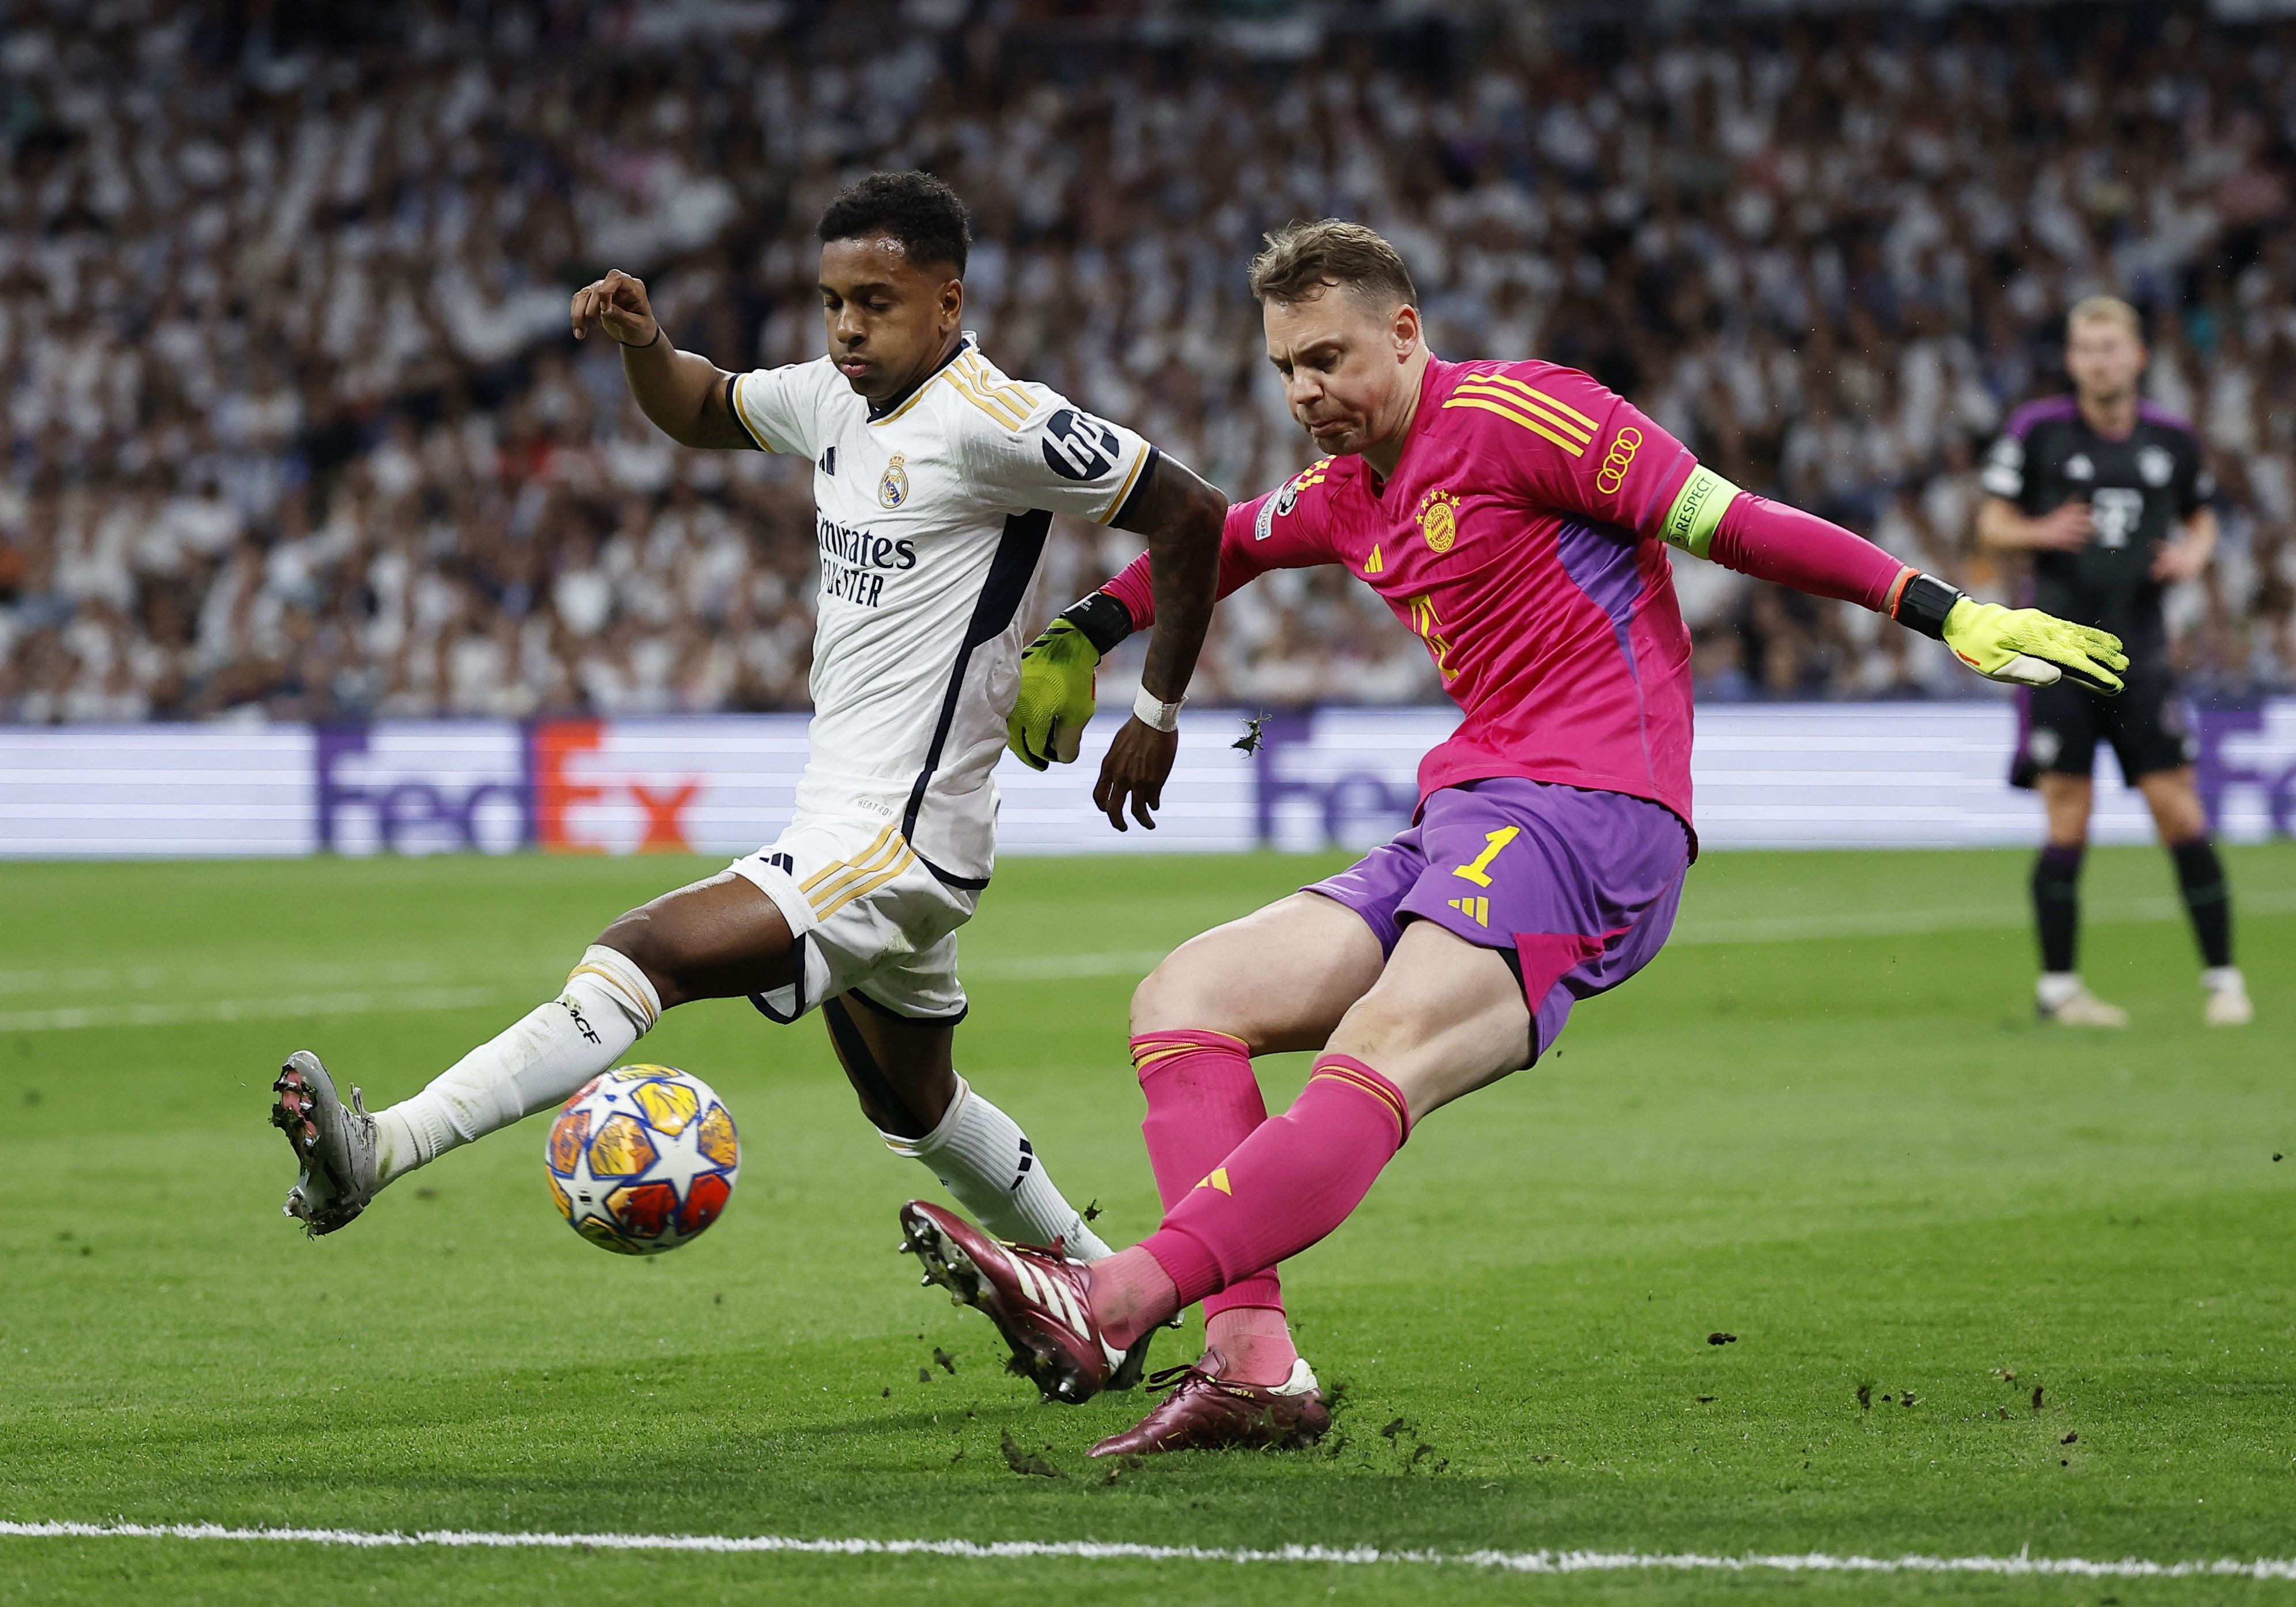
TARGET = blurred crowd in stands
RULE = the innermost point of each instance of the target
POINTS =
(295, 429)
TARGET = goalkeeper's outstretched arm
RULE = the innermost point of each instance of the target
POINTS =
(1770, 541)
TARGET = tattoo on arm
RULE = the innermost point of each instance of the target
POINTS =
(1181, 516)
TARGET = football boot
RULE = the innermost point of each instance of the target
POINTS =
(1204, 1412)
(2081, 1008)
(1038, 1300)
(2229, 1002)
(334, 1143)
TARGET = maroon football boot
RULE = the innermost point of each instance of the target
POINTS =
(1205, 1411)
(1037, 1299)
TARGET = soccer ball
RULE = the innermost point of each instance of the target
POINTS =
(642, 1158)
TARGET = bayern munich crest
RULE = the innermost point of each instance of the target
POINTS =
(1438, 521)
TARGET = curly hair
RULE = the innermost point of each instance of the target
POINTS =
(915, 208)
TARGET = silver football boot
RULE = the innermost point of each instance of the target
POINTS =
(334, 1143)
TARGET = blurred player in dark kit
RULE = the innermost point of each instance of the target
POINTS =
(2109, 494)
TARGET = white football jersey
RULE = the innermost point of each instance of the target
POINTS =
(930, 517)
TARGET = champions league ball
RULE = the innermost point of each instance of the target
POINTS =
(642, 1160)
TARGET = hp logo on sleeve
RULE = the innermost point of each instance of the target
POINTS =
(1079, 445)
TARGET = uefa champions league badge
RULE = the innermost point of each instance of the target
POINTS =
(1276, 506)
(893, 490)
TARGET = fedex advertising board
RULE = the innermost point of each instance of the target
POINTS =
(1772, 776)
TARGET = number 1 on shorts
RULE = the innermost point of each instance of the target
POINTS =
(1475, 870)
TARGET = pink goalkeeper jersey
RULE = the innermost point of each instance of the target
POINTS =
(1519, 540)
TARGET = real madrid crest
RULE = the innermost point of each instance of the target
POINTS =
(1438, 521)
(893, 490)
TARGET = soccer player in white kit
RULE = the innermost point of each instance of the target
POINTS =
(936, 479)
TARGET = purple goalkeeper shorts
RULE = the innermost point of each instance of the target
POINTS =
(1577, 891)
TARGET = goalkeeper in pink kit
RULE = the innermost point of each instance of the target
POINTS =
(1516, 517)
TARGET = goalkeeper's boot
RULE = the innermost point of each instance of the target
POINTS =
(2229, 1002)
(1040, 1301)
(2067, 1001)
(336, 1143)
(1205, 1411)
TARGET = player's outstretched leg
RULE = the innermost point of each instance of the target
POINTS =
(722, 937)
(1277, 979)
(1445, 1018)
(1280, 979)
(713, 939)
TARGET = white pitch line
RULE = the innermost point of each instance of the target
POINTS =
(79, 1017)
(1117, 1550)
(136, 978)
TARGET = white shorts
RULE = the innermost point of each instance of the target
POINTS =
(868, 918)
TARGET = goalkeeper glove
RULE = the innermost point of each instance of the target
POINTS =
(1057, 677)
(2022, 645)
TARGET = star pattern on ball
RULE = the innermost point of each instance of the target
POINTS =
(678, 1160)
(599, 1206)
(586, 1193)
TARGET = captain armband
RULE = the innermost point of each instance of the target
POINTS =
(1102, 619)
(1697, 512)
(1920, 602)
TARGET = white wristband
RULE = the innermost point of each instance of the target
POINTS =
(1150, 711)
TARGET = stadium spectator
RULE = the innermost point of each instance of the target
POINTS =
(296, 430)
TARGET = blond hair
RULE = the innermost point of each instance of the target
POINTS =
(2097, 309)
(1302, 259)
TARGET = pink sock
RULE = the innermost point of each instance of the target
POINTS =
(1283, 1188)
(1249, 1344)
(1203, 1101)
(1129, 1294)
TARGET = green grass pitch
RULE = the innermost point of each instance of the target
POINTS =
(1824, 1122)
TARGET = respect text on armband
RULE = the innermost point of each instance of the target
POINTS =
(1697, 511)
(1686, 510)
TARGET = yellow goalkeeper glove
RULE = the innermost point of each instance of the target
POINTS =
(1057, 669)
(2022, 645)
(2033, 649)
(1056, 696)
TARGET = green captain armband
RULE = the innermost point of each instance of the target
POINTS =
(1697, 511)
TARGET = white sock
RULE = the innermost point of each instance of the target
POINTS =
(2056, 987)
(2219, 978)
(607, 1005)
(983, 1158)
